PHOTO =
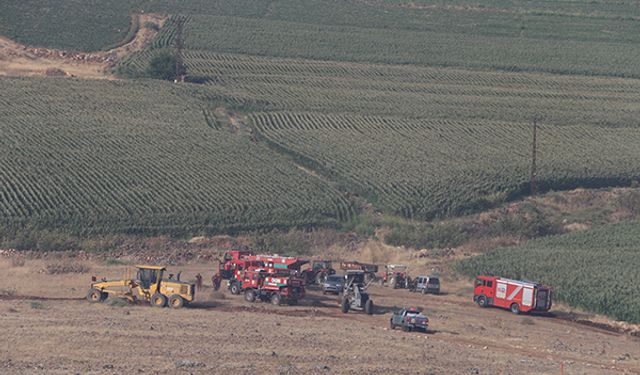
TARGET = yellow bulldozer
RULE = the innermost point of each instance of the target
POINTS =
(148, 285)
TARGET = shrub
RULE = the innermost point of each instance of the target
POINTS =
(421, 235)
(151, 26)
(37, 305)
(162, 66)
(528, 221)
(630, 200)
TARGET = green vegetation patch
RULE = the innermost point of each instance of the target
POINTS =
(79, 25)
(103, 157)
(596, 269)
(428, 168)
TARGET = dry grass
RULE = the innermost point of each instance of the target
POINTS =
(66, 266)
(527, 321)
(8, 292)
(17, 261)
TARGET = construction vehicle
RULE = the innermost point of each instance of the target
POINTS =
(318, 272)
(370, 270)
(354, 295)
(148, 285)
(396, 276)
(276, 287)
(517, 296)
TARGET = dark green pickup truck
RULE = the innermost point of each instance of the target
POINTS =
(409, 319)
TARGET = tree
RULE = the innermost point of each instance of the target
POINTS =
(162, 66)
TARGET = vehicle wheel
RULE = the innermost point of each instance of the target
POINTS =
(368, 307)
(324, 292)
(176, 301)
(482, 301)
(276, 299)
(321, 277)
(392, 283)
(235, 288)
(515, 308)
(391, 325)
(344, 306)
(250, 295)
(158, 300)
(406, 328)
(95, 295)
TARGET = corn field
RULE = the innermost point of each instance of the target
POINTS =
(596, 270)
(100, 157)
(428, 168)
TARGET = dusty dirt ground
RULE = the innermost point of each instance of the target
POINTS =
(19, 60)
(48, 327)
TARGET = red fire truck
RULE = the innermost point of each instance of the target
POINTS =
(517, 296)
(236, 260)
(277, 287)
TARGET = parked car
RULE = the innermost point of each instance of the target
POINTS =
(333, 284)
(426, 284)
(409, 319)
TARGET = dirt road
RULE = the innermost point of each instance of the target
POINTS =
(56, 331)
(19, 60)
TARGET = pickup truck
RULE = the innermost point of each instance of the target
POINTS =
(409, 319)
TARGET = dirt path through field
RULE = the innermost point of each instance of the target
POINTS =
(19, 60)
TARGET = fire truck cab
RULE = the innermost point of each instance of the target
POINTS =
(517, 296)
(236, 260)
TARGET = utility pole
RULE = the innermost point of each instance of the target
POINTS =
(180, 73)
(534, 157)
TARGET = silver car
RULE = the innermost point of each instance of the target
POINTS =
(333, 284)
(427, 284)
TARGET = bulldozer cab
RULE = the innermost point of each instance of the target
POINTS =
(148, 276)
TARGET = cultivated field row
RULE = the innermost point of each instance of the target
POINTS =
(423, 168)
(120, 161)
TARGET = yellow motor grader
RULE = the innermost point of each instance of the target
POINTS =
(148, 285)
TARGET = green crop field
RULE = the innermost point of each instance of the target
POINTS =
(595, 269)
(376, 96)
(427, 168)
(419, 92)
(103, 157)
